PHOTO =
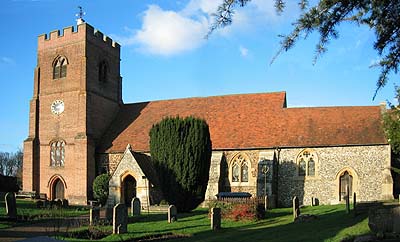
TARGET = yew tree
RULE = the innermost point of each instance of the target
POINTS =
(181, 154)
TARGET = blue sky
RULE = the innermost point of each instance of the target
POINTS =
(164, 55)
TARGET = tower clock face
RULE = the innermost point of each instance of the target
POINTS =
(57, 107)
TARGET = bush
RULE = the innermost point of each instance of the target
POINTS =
(239, 211)
(100, 188)
(181, 153)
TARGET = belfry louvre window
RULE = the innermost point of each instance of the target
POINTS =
(240, 169)
(306, 162)
(57, 153)
(103, 72)
(60, 68)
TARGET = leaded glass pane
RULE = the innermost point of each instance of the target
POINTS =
(245, 173)
(302, 167)
(235, 173)
(311, 167)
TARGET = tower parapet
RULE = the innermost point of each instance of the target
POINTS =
(83, 31)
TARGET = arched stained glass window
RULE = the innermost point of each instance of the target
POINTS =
(57, 153)
(311, 167)
(60, 68)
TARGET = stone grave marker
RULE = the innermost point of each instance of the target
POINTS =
(215, 218)
(355, 203)
(347, 199)
(94, 215)
(11, 205)
(266, 203)
(172, 214)
(109, 213)
(296, 207)
(135, 207)
(120, 219)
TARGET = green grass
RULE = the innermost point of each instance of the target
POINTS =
(28, 209)
(333, 224)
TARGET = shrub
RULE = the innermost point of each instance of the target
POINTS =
(181, 153)
(100, 188)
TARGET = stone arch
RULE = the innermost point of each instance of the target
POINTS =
(128, 190)
(354, 179)
(57, 187)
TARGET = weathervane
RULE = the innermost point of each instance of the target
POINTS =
(80, 15)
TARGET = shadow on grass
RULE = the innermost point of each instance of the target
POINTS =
(326, 227)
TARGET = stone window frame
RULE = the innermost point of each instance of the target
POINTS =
(242, 161)
(307, 156)
(60, 65)
(57, 153)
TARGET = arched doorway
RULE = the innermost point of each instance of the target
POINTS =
(345, 180)
(58, 189)
(128, 189)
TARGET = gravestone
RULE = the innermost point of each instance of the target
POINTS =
(312, 201)
(347, 199)
(354, 204)
(94, 215)
(120, 219)
(296, 207)
(11, 205)
(135, 207)
(172, 214)
(65, 203)
(109, 213)
(215, 218)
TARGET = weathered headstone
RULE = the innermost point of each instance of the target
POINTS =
(109, 213)
(347, 199)
(312, 201)
(135, 207)
(65, 203)
(384, 220)
(11, 205)
(354, 203)
(296, 207)
(94, 215)
(120, 219)
(266, 203)
(172, 214)
(215, 218)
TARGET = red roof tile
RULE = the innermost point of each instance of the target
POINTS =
(250, 121)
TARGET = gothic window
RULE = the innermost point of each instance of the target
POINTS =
(103, 72)
(346, 180)
(240, 169)
(306, 162)
(57, 153)
(60, 68)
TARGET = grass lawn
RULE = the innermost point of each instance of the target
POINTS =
(333, 224)
(27, 208)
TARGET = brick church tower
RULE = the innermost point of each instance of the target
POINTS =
(77, 93)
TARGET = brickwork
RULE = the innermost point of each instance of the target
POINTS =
(89, 108)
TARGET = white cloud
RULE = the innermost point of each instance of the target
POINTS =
(243, 51)
(7, 60)
(168, 32)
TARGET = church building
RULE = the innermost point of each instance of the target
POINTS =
(79, 127)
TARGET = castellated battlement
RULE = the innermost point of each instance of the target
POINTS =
(69, 34)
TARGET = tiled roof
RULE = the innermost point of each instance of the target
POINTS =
(249, 121)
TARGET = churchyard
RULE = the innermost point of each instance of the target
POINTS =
(328, 223)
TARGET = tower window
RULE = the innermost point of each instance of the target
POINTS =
(57, 153)
(60, 68)
(103, 72)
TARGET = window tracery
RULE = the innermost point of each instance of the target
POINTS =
(240, 169)
(57, 153)
(60, 68)
(306, 162)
